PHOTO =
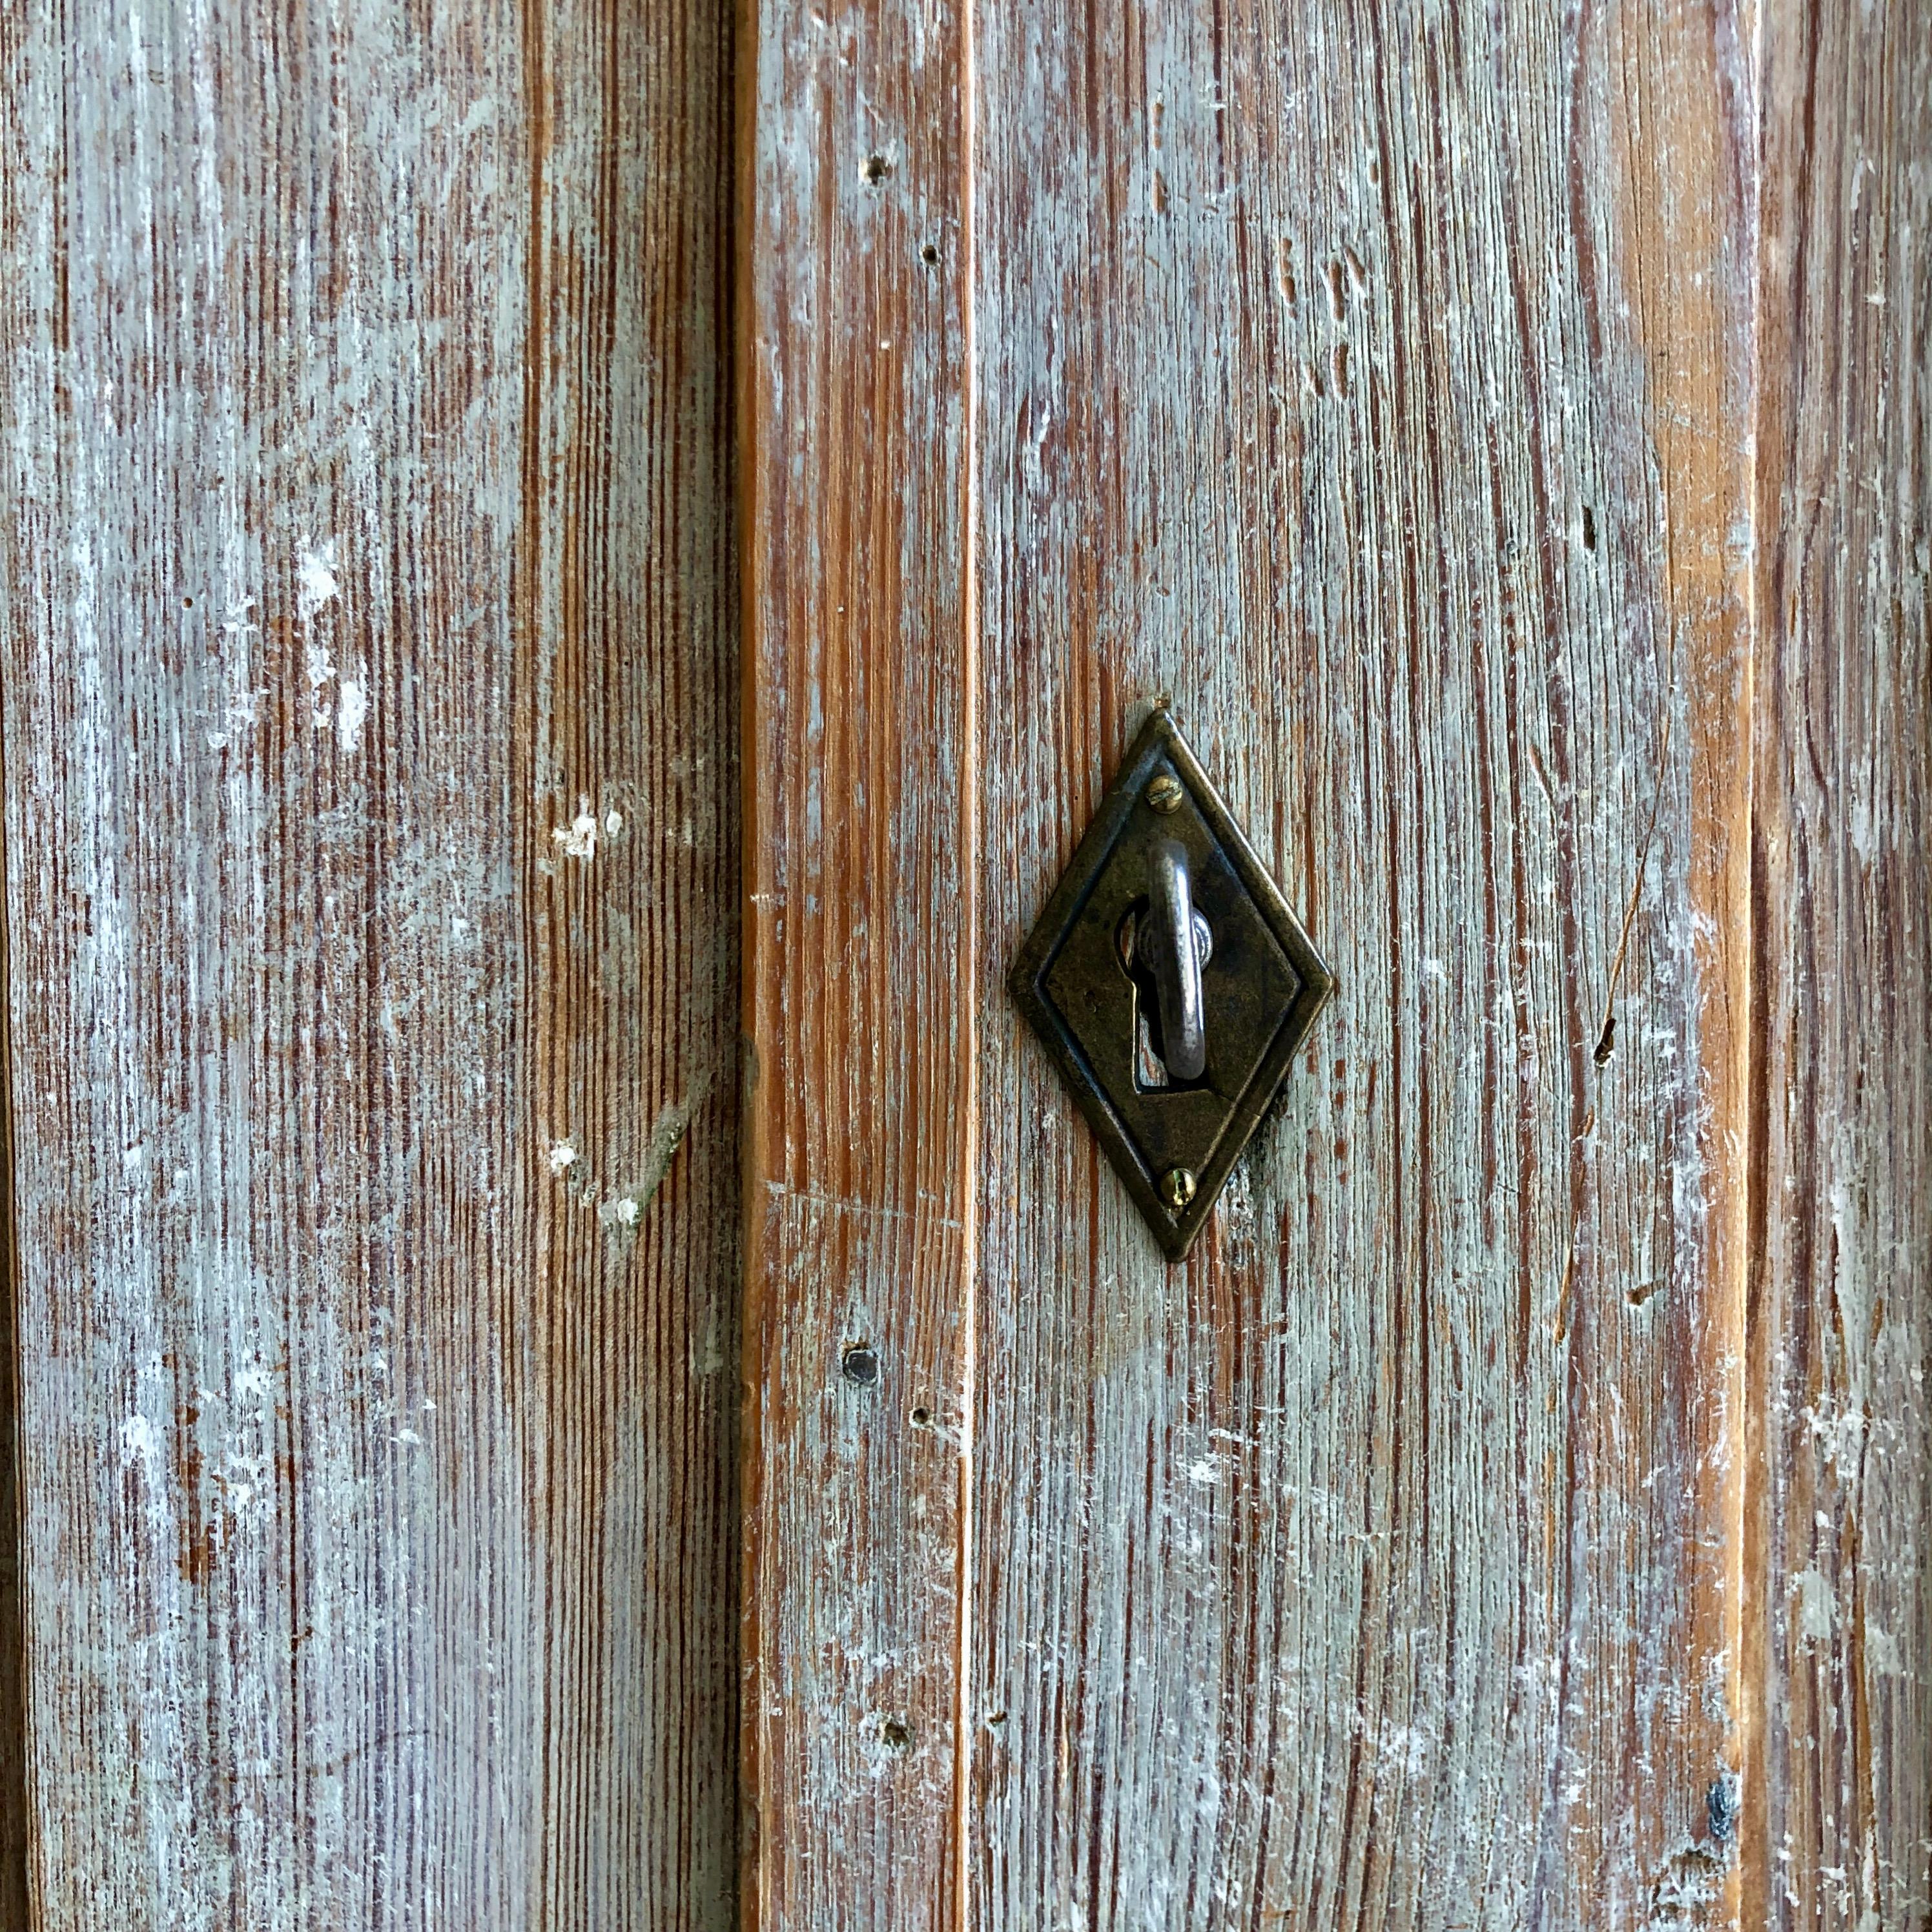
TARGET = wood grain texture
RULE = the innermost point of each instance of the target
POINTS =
(1840, 1773)
(16, 1801)
(371, 824)
(1419, 402)
(1373, 381)
(861, 944)
(1379, 389)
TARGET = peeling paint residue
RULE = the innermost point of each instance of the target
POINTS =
(316, 584)
(579, 838)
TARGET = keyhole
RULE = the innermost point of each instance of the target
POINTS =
(1150, 1073)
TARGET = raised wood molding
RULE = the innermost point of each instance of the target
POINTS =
(1838, 1657)
(862, 948)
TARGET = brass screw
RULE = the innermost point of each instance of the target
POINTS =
(1165, 794)
(1177, 1187)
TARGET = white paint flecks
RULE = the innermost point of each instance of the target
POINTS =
(1817, 1604)
(579, 838)
(1840, 1434)
(315, 582)
(141, 1447)
(317, 586)
(1882, 1653)
(239, 710)
(351, 699)
(561, 1157)
(351, 707)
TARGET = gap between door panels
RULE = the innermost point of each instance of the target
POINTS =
(15, 1816)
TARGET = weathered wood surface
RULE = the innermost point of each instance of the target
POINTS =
(861, 942)
(1502, 435)
(371, 835)
(1839, 1652)
(1398, 392)
(16, 1802)
(1340, 372)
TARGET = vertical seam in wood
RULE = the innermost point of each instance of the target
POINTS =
(17, 1904)
(527, 609)
(969, 809)
(1748, 1552)
(752, 833)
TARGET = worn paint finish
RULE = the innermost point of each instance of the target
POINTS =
(1399, 393)
(364, 415)
(1339, 372)
(1839, 1781)
(860, 944)
(1502, 437)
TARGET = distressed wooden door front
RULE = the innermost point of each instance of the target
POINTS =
(1500, 433)
(371, 852)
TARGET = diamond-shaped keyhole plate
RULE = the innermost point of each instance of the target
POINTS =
(1173, 1142)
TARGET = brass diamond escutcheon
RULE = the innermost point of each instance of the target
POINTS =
(1173, 1061)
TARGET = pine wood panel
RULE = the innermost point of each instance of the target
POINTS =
(16, 1803)
(1338, 382)
(860, 941)
(1840, 1768)
(371, 828)
(1413, 401)
(1372, 381)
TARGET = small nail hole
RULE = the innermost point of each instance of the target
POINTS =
(1589, 529)
(895, 1735)
(859, 1365)
(876, 169)
(996, 1720)
(928, 254)
(921, 1416)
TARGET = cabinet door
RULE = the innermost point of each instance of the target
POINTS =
(1499, 436)
(372, 868)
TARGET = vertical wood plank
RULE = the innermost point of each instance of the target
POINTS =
(371, 814)
(860, 944)
(1840, 1779)
(15, 1799)
(1374, 382)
